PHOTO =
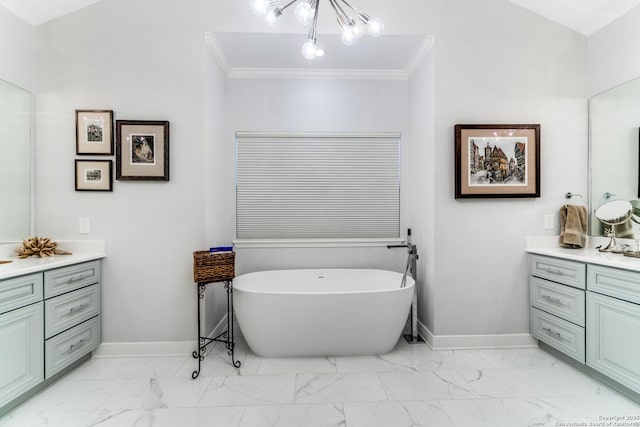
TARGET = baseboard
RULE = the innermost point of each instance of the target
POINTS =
(158, 348)
(459, 342)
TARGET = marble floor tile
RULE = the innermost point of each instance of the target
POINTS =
(572, 382)
(297, 365)
(249, 391)
(327, 415)
(517, 412)
(218, 364)
(128, 367)
(431, 385)
(158, 393)
(326, 388)
(397, 414)
(592, 409)
(72, 395)
(390, 362)
(519, 358)
(410, 386)
(504, 383)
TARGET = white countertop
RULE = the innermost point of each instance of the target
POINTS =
(82, 251)
(549, 246)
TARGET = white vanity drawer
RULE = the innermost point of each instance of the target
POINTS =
(66, 348)
(563, 301)
(65, 311)
(21, 291)
(560, 334)
(621, 284)
(67, 279)
(558, 270)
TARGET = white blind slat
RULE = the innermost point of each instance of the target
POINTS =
(317, 185)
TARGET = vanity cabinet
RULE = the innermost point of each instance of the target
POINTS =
(22, 344)
(613, 324)
(48, 321)
(591, 313)
(556, 293)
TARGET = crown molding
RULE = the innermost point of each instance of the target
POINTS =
(423, 50)
(212, 43)
(292, 73)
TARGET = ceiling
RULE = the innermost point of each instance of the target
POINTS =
(584, 16)
(283, 51)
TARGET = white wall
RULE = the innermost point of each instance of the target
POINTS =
(613, 53)
(218, 178)
(16, 44)
(420, 182)
(516, 67)
(17, 66)
(145, 60)
(316, 105)
(494, 63)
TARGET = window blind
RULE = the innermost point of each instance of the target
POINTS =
(291, 186)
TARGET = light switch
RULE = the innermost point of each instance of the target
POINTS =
(84, 226)
(548, 222)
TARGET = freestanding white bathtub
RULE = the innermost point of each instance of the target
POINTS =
(333, 312)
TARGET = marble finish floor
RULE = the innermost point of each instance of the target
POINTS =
(412, 386)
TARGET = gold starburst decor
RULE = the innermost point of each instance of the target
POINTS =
(39, 246)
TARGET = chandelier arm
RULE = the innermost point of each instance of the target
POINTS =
(336, 7)
(314, 25)
(287, 5)
(363, 16)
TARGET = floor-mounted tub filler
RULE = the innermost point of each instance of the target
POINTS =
(332, 312)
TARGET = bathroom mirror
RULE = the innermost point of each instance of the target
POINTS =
(15, 162)
(614, 122)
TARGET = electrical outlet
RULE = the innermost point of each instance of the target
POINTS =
(548, 222)
(84, 226)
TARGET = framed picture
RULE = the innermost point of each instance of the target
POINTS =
(142, 150)
(497, 161)
(94, 132)
(94, 175)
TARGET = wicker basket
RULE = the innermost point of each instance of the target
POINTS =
(213, 266)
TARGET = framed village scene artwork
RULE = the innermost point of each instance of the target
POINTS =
(497, 161)
(94, 132)
(142, 150)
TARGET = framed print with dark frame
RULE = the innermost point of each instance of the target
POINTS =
(94, 132)
(94, 175)
(497, 161)
(142, 150)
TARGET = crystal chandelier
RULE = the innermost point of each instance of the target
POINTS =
(306, 12)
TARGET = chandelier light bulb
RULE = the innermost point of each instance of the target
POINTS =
(272, 16)
(348, 35)
(310, 50)
(375, 27)
(261, 7)
(304, 13)
(357, 29)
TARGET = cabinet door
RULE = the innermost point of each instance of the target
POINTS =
(613, 339)
(21, 351)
